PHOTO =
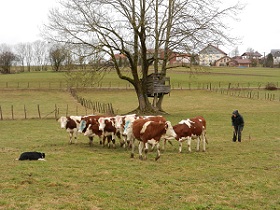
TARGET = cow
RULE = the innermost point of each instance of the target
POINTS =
(71, 124)
(93, 121)
(107, 126)
(149, 132)
(129, 122)
(193, 128)
(93, 130)
(190, 129)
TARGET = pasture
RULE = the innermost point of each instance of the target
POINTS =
(227, 176)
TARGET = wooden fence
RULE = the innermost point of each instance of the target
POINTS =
(42, 112)
(98, 107)
(111, 85)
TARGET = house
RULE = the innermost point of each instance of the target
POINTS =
(252, 55)
(180, 58)
(276, 56)
(223, 61)
(240, 62)
(209, 55)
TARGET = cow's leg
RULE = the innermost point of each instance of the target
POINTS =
(146, 149)
(164, 143)
(109, 139)
(75, 136)
(103, 140)
(100, 140)
(158, 151)
(90, 138)
(198, 143)
(152, 147)
(180, 145)
(140, 150)
(189, 143)
(204, 142)
(124, 143)
(70, 137)
(114, 140)
(132, 147)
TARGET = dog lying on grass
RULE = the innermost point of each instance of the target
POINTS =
(32, 156)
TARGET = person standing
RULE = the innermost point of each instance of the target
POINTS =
(238, 125)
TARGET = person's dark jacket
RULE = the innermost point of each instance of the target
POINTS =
(238, 120)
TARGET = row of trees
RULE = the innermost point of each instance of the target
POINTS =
(41, 54)
(24, 55)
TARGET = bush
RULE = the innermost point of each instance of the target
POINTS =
(271, 86)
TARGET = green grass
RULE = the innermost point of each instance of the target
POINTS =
(227, 176)
(180, 78)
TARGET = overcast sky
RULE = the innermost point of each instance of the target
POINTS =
(20, 21)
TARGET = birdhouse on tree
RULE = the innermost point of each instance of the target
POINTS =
(157, 84)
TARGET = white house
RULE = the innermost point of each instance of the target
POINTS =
(276, 56)
(209, 55)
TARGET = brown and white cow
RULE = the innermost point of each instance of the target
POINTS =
(107, 126)
(149, 132)
(192, 128)
(129, 120)
(70, 123)
(92, 121)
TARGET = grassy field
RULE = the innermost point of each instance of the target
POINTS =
(227, 176)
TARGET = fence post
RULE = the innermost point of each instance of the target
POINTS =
(24, 109)
(12, 109)
(39, 113)
(1, 113)
(55, 111)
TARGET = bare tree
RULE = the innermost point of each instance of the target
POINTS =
(39, 55)
(20, 51)
(28, 55)
(144, 31)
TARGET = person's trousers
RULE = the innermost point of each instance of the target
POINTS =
(237, 133)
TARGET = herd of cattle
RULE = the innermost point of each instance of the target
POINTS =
(148, 130)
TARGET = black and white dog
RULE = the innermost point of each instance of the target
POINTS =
(32, 156)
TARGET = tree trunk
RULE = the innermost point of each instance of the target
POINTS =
(144, 105)
(159, 102)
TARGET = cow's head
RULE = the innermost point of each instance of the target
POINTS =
(63, 121)
(119, 121)
(88, 131)
(82, 126)
(169, 130)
